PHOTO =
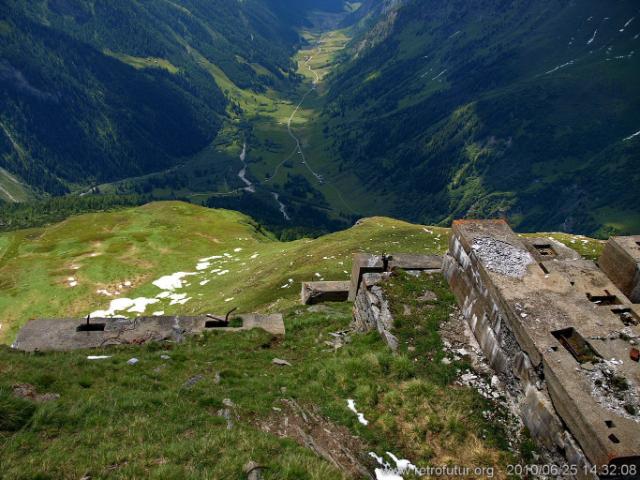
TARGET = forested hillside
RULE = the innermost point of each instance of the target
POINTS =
(93, 91)
(525, 109)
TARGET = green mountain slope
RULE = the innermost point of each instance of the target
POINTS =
(164, 417)
(80, 265)
(97, 91)
(525, 109)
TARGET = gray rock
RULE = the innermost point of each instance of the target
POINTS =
(280, 362)
(192, 381)
(427, 296)
(132, 361)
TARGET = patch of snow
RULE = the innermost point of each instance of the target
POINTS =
(178, 298)
(559, 67)
(630, 137)
(254, 256)
(140, 304)
(223, 272)
(173, 281)
(351, 405)
(208, 259)
(237, 250)
(98, 357)
(137, 305)
(387, 472)
(439, 75)
(231, 299)
(203, 266)
(204, 282)
(159, 313)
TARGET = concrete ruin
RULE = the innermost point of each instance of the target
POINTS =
(620, 261)
(364, 263)
(560, 333)
(321, 292)
(73, 334)
(371, 308)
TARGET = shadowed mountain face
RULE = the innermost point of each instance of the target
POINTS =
(525, 109)
(105, 90)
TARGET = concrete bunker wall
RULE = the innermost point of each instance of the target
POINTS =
(534, 307)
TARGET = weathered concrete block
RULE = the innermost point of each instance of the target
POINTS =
(620, 261)
(73, 334)
(320, 292)
(406, 261)
(363, 263)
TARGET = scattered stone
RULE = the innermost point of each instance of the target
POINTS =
(189, 384)
(502, 257)
(227, 402)
(226, 414)
(165, 357)
(217, 379)
(280, 362)
(427, 296)
(28, 392)
(132, 361)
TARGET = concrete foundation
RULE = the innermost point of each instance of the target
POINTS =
(550, 324)
(73, 334)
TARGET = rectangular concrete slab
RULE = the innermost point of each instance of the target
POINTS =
(72, 334)
(319, 292)
(406, 261)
